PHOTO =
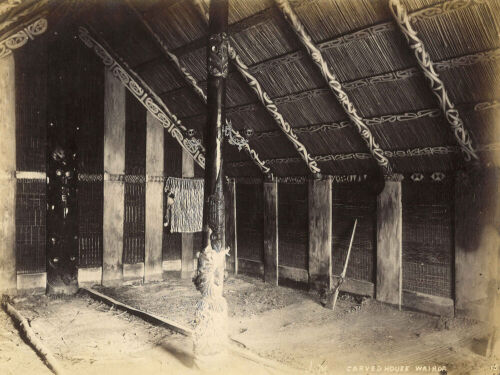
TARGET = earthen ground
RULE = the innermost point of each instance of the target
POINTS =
(360, 336)
(286, 325)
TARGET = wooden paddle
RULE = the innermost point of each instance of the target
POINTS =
(332, 300)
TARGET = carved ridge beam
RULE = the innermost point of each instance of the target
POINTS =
(379, 120)
(233, 136)
(335, 86)
(419, 151)
(437, 86)
(268, 103)
(145, 95)
(21, 37)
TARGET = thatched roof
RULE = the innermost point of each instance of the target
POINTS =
(363, 47)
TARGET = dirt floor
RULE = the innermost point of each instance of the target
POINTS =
(360, 336)
(286, 325)
(89, 337)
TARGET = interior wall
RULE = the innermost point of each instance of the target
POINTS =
(250, 221)
(428, 236)
(135, 181)
(90, 144)
(350, 202)
(293, 227)
(172, 161)
(31, 112)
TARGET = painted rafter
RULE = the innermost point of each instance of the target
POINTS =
(19, 18)
(391, 154)
(369, 31)
(21, 37)
(145, 95)
(437, 86)
(9, 5)
(233, 136)
(268, 103)
(334, 85)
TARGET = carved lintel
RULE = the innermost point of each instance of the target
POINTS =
(217, 59)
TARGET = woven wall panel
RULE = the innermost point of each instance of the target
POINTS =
(197, 242)
(249, 221)
(30, 226)
(350, 202)
(135, 136)
(134, 226)
(293, 225)
(172, 164)
(31, 106)
(428, 243)
(90, 210)
(171, 245)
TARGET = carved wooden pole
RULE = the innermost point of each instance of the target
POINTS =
(211, 312)
(437, 86)
(267, 102)
(234, 138)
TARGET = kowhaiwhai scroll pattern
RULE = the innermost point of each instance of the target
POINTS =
(424, 61)
(22, 37)
(160, 112)
(334, 85)
(273, 110)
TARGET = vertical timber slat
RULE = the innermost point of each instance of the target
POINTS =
(8, 277)
(114, 188)
(390, 242)
(477, 244)
(231, 235)
(271, 232)
(154, 200)
(187, 258)
(320, 234)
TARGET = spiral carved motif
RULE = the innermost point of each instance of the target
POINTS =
(22, 37)
(166, 118)
(437, 86)
(234, 138)
(334, 84)
(273, 110)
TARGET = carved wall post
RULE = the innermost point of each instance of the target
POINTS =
(390, 241)
(211, 312)
(114, 186)
(7, 176)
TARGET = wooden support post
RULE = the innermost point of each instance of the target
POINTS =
(187, 239)
(7, 176)
(477, 243)
(271, 232)
(154, 200)
(114, 185)
(390, 241)
(210, 334)
(320, 234)
(231, 235)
